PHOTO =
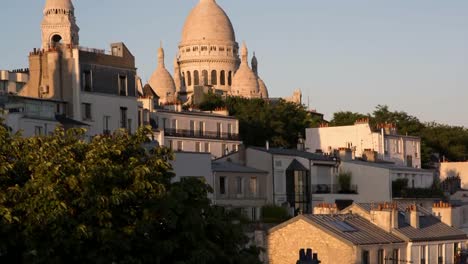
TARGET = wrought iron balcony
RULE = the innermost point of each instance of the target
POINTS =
(200, 134)
(242, 196)
(334, 189)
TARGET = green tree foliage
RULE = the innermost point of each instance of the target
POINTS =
(280, 123)
(63, 200)
(346, 118)
(449, 141)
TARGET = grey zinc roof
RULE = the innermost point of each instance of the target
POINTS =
(430, 227)
(220, 166)
(365, 232)
(402, 206)
(296, 153)
(385, 165)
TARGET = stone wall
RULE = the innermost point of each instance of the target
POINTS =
(285, 243)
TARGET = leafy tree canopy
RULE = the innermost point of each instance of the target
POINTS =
(280, 122)
(63, 200)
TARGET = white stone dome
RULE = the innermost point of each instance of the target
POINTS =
(161, 80)
(245, 82)
(59, 4)
(207, 22)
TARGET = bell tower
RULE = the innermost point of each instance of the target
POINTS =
(59, 24)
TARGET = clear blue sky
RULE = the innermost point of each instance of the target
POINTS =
(344, 54)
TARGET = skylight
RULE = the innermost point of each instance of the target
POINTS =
(343, 226)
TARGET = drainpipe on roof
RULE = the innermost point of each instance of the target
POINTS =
(273, 177)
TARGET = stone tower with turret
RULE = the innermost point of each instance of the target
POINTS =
(59, 24)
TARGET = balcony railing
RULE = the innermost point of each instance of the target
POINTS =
(333, 189)
(244, 196)
(200, 134)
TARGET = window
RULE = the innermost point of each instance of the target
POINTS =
(218, 129)
(222, 185)
(201, 128)
(180, 146)
(196, 78)
(223, 149)
(192, 128)
(197, 147)
(170, 144)
(365, 257)
(229, 130)
(123, 91)
(222, 78)
(205, 77)
(38, 131)
(87, 81)
(115, 51)
(386, 146)
(106, 121)
(254, 214)
(239, 185)
(234, 148)
(423, 254)
(207, 147)
(214, 77)
(123, 117)
(189, 79)
(380, 256)
(395, 256)
(230, 78)
(174, 125)
(86, 109)
(440, 254)
(253, 186)
(3, 86)
(129, 124)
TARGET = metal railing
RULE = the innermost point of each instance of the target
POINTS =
(334, 189)
(200, 134)
(243, 196)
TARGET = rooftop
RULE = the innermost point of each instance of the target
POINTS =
(296, 153)
(352, 228)
(225, 166)
(385, 165)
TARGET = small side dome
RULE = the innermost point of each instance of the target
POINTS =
(245, 82)
(263, 90)
(161, 81)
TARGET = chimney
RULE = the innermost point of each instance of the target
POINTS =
(369, 155)
(447, 214)
(325, 209)
(385, 216)
(412, 212)
(300, 143)
(345, 154)
(242, 154)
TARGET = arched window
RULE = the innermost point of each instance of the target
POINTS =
(222, 78)
(183, 79)
(189, 79)
(230, 78)
(214, 77)
(205, 77)
(196, 78)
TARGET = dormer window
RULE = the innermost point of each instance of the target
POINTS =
(123, 91)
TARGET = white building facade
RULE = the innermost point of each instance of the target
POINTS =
(193, 131)
(361, 138)
(13, 81)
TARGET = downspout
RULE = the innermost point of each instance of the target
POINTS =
(273, 178)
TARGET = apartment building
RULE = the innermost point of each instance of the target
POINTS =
(196, 131)
(362, 138)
